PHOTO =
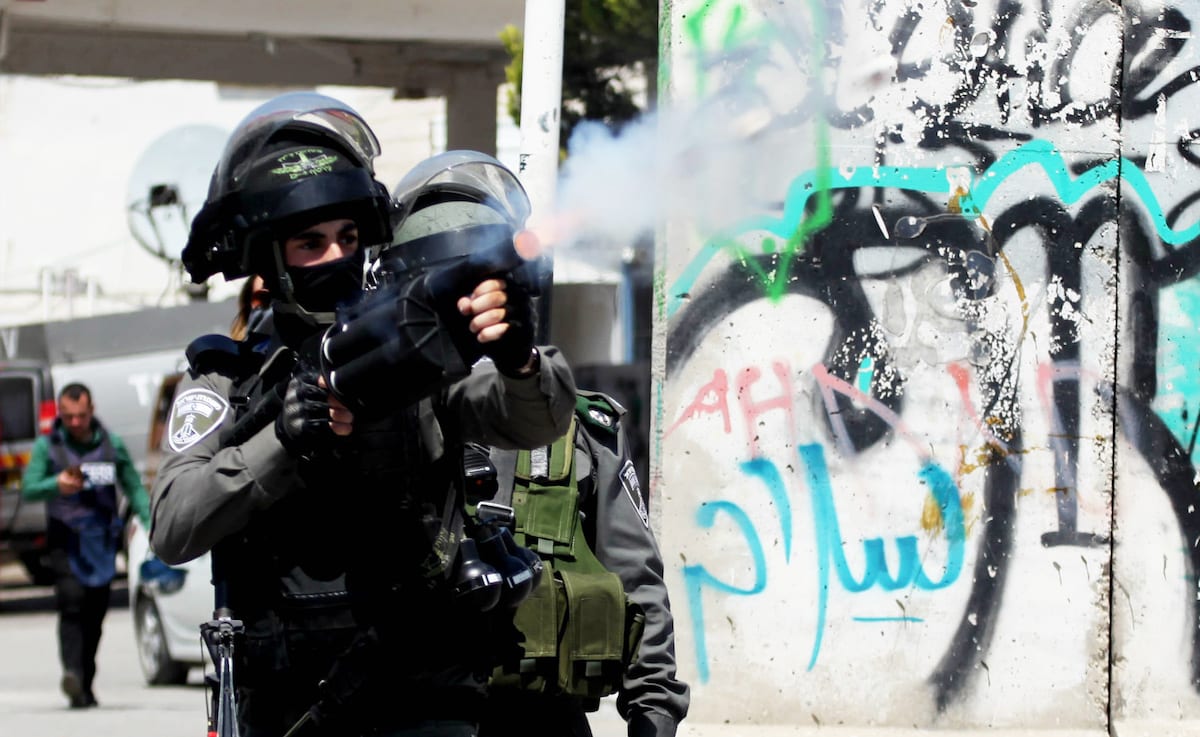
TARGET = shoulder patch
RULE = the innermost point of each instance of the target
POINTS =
(633, 489)
(598, 410)
(195, 414)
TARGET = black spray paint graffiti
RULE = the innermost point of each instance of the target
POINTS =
(825, 271)
(983, 49)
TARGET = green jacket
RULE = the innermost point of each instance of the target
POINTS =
(40, 480)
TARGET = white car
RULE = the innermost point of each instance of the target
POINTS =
(168, 608)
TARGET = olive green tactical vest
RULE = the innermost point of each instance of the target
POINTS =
(581, 630)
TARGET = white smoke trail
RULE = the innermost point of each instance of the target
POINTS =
(616, 187)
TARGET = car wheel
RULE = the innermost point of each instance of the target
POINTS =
(157, 666)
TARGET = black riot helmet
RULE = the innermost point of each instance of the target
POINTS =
(296, 160)
(450, 206)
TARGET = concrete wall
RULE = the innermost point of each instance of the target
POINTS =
(926, 385)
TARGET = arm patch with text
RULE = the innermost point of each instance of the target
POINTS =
(195, 414)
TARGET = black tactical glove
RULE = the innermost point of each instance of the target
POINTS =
(643, 725)
(514, 349)
(303, 423)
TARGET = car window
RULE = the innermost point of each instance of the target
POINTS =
(18, 408)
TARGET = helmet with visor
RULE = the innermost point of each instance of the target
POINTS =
(297, 160)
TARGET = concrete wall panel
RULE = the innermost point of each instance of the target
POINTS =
(926, 364)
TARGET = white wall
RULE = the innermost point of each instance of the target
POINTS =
(69, 146)
(893, 485)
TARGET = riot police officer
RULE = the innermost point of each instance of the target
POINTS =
(583, 510)
(338, 533)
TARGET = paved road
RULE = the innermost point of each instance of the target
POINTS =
(32, 706)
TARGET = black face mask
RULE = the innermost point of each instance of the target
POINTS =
(327, 286)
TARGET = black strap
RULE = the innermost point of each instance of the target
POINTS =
(259, 397)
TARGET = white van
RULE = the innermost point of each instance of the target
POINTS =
(122, 358)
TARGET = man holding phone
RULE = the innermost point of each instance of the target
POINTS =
(76, 468)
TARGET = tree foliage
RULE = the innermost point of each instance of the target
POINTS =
(607, 44)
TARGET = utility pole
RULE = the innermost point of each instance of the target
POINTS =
(541, 102)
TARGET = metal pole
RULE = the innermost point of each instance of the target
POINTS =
(541, 101)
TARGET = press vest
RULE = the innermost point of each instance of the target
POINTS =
(97, 502)
(90, 517)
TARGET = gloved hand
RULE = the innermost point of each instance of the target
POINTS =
(303, 423)
(514, 349)
(642, 724)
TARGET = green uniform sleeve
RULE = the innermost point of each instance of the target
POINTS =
(38, 483)
(131, 481)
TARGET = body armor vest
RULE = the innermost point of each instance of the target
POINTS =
(374, 513)
(580, 629)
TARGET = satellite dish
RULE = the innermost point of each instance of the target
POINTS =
(168, 187)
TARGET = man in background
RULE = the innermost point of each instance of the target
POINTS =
(76, 469)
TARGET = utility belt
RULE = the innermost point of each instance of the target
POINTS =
(581, 631)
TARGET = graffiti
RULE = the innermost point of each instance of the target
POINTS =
(826, 527)
(989, 173)
(977, 50)
(830, 545)
(857, 420)
(1042, 154)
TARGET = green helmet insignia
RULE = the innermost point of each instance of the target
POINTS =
(305, 163)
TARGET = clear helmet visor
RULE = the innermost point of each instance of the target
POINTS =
(304, 112)
(468, 173)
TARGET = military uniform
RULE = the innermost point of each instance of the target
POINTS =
(334, 557)
(616, 524)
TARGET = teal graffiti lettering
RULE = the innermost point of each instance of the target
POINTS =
(830, 552)
(1178, 356)
(830, 557)
(697, 577)
(933, 180)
